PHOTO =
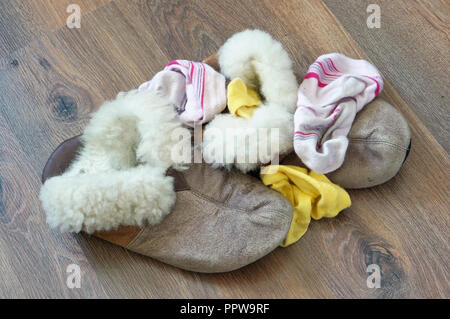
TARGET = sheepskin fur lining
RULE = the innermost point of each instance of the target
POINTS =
(118, 177)
(262, 64)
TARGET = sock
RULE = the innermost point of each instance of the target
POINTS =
(311, 195)
(335, 88)
(242, 101)
(195, 89)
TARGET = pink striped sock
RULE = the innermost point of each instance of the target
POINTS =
(335, 88)
(195, 89)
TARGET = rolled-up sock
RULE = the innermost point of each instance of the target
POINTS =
(311, 195)
(242, 101)
(195, 89)
(171, 85)
(335, 88)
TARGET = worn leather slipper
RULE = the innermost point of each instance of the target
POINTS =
(110, 183)
(379, 143)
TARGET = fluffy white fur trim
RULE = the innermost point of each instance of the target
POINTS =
(263, 64)
(118, 178)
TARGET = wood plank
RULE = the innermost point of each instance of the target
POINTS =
(47, 95)
(23, 21)
(54, 85)
(411, 48)
(33, 258)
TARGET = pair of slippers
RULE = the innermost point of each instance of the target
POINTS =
(119, 182)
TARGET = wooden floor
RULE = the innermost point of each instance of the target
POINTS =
(52, 77)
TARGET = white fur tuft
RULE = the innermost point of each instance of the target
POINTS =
(263, 64)
(118, 178)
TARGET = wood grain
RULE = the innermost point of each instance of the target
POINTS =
(51, 81)
(33, 259)
(23, 21)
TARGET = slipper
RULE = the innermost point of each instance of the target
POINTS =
(118, 182)
(379, 143)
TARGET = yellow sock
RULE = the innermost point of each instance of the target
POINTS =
(242, 101)
(311, 195)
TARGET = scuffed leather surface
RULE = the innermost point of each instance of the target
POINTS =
(213, 61)
(378, 145)
(225, 221)
(121, 236)
(61, 158)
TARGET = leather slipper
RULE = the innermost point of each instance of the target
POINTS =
(220, 220)
(379, 143)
